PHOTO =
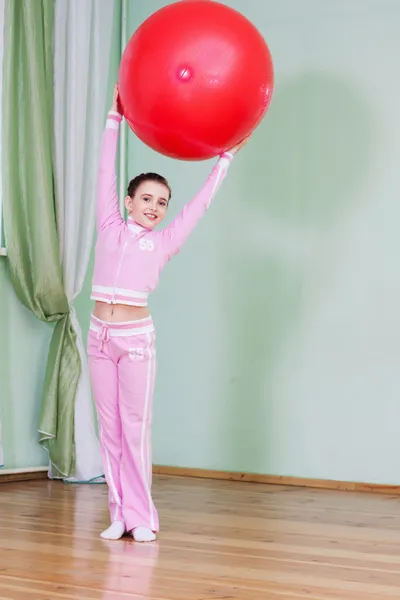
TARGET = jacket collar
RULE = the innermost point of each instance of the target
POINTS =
(134, 227)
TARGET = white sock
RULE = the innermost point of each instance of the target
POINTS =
(114, 532)
(142, 534)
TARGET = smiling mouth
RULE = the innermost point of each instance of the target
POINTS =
(150, 216)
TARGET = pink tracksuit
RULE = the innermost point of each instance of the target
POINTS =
(122, 360)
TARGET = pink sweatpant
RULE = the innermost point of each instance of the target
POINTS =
(122, 362)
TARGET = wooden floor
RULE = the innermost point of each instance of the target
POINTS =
(219, 540)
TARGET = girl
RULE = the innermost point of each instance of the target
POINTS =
(129, 259)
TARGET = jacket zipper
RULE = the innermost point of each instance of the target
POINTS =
(117, 273)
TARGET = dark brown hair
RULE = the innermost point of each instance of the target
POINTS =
(139, 179)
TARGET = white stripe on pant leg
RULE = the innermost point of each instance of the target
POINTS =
(147, 434)
(149, 445)
(143, 436)
(112, 486)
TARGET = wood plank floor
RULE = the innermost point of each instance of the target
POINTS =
(219, 540)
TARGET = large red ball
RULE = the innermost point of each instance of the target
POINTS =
(195, 79)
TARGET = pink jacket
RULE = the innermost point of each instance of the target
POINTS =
(130, 258)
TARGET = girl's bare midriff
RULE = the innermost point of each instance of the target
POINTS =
(119, 313)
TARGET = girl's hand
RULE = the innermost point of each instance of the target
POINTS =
(116, 104)
(240, 145)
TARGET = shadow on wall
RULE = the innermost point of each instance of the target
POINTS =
(297, 178)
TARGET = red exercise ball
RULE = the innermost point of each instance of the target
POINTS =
(195, 79)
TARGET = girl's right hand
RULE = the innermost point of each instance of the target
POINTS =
(239, 146)
(116, 104)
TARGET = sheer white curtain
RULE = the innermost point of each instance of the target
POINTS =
(82, 45)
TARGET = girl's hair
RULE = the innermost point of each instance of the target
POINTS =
(139, 179)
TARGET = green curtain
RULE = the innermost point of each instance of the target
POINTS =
(29, 213)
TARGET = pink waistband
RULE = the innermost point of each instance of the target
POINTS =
(118, 296)
(125, 329)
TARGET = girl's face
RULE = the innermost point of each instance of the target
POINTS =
(149, 204)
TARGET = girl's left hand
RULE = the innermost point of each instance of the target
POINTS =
(240, 145)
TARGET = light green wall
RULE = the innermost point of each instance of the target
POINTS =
(278, 329)
(278, 335)
(23, 351)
